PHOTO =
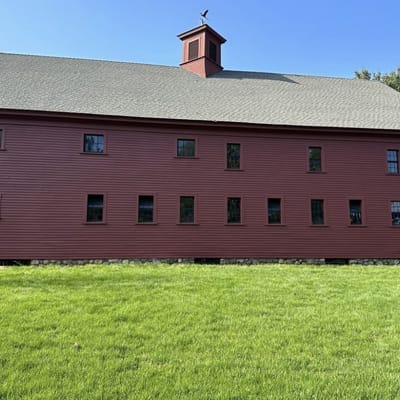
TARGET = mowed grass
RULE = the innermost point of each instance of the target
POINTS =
(200, 332)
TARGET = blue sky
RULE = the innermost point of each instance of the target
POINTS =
(330, 38)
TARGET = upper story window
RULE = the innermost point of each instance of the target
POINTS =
(317, 212)
(274, 211)
(392, 157)
(186, 148)
(146, 209)
(314, 159)
(212, 51)
(234, 210)
(1, 139)
(95, 206)
(233, 156)
(93, 143)
(395, 206)
(355, 212)
(186, 210)
(193, 49)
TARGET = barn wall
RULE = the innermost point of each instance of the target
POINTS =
(45, 178)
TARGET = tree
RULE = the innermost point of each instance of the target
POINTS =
(391, 79)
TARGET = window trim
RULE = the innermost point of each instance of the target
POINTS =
(283, 216)
(184, 137)
(94, 153)
(195, 204)
(86, 200)
(363, 212)
(155, 213)
(324, 201)
(323, 159)
(3, 139)
(241, 223)
(241, 169)
(387, 164)
(396, 226)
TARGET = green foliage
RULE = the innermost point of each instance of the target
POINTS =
(391, 79)
(199, 332)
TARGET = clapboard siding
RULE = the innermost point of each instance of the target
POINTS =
(45, 178)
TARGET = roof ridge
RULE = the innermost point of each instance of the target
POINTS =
(85, 59)
(293, 75)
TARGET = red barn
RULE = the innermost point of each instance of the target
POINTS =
(112, 160)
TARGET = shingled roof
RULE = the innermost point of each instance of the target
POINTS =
(153, 91)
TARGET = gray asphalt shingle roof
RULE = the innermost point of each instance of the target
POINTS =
(153, 91)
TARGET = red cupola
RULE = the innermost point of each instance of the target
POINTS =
(202, 50)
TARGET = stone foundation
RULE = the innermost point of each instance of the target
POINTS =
(375, 261)
(222, 261)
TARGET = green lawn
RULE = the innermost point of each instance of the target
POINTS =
(200, 332)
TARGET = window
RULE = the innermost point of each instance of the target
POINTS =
(314, 159)
(212, 51)
(186, 148)
(392, 157)
(1, 139)
(193, 49)
(95, 205)
(234, 210)
(233, 156)
(186, 215)
(146, 209)
(395, 212)
(274, 211)
(93, 144)
(355, 212)
(317, 212)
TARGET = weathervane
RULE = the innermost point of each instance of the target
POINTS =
(203, 16)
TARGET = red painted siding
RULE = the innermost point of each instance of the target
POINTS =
(45, 180)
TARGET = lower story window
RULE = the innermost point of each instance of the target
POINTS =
(355, 212)
(317, 212)
(146, 209)
(95, 206)
(234, 210)
(186, 210)
(274, 211)
(395, 212)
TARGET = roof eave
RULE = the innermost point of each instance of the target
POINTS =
(117, 119)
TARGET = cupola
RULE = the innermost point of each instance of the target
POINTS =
(201, 50)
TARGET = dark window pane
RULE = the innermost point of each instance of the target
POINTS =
(274, 211)
(193, 49)
(233, 155)
(392, 161)
(186, 148)
(1, 138)
(186, 209)
(146, 208)
(395, 212)
(317, 212)
(314, 158)
(95, 208)
(213, 51)
(93, 144)
(234, 210)
(355, 212)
